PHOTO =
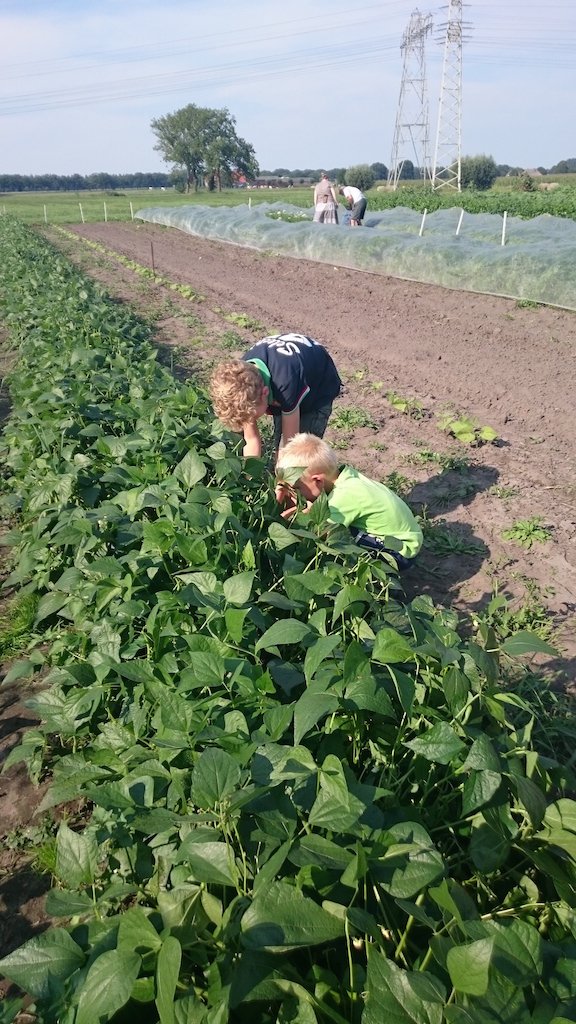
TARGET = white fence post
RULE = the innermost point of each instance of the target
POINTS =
(461, 218)
(504, 217)
(131, 211)
(81, 212)
(422, 224)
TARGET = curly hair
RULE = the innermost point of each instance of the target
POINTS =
(236, 392)
(311, 454)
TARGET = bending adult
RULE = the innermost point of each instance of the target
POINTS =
(357, 203)
(325, 201)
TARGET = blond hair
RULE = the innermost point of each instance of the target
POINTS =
(236, 392)
(310, 453)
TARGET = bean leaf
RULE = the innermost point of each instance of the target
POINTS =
(401, 997)
(281, 917)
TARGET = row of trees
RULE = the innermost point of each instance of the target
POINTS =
(83, 182)
(379, 172)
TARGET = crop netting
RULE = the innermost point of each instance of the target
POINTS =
(536, 263)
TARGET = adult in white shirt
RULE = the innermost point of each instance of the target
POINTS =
(357, 203)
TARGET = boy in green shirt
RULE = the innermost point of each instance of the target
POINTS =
(377, 518)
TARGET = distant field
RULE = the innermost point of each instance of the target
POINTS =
(95, 207)
(71, 207)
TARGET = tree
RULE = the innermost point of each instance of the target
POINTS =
(361, 176)
(478, 172)
(380, 171)
(407, 171)
(563, 167)
(202, 141)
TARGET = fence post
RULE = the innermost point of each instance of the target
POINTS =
(460, 219)
(81, 212)
(131, 211)
(45, 214)
(105, 214)
(422, 224)
(504, 217)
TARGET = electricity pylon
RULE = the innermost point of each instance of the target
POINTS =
(447, 168)
(412, 130)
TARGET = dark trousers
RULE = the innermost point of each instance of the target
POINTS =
(314, 422)
(377, 546)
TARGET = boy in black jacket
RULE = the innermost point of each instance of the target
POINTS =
(289, 376)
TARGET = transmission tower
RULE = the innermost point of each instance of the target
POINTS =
(446, 172)
(412, 130)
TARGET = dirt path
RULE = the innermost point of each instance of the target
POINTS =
(509, 366)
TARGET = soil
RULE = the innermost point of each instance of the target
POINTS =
(507, 365)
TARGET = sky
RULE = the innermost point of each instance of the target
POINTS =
(309, 85)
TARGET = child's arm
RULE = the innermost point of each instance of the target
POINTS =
(290, 426)
(252, 439)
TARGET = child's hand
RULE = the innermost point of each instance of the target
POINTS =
(284, 494)
(281, 493)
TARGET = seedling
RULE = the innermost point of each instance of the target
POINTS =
(191, 320)
(355, 375)
(448, 461)
(409, 406)
(242, 320)
(506, 620)
(422, 457)
(467, 430)
(232, 340)
(37, 841)
(398, 483)
(503, 492)
(458, 492)
(528, 532)
(441, 540)
(352, 418)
